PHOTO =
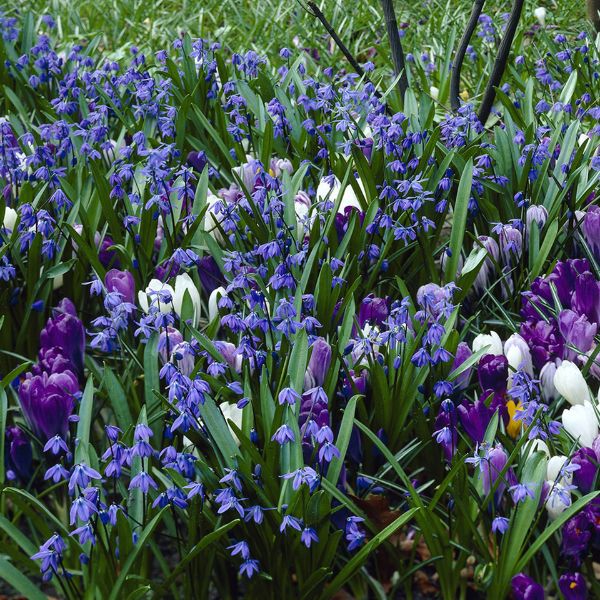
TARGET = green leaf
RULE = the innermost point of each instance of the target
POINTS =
(343, 440)
(118, 399)
(17, 580)
(459, 222)
(152, 384)
(82, 451)
(206, 541)
(132, 556)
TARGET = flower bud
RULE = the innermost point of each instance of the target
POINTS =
(591, 229)
(518, 354)
(145, 298)
(549, 392)
(493, 372)
(540, 14)
(491, 342)
(570, 384)
(10, 218)
(554, 467)
(318, 365)
(559, 499)
(121, 282)
(213, 303)
(183, 284)
(580, 421)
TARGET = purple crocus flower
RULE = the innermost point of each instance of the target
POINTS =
(585, 476)
(18, 454)
(318, 365)
(121, 282)
(373, 310)
(48, 401)
(573, 586)
(543, 339)
(463, 352)
(586, 297)
(575, 538)
(474, 418)
(525, 588)
(197, 160)
(210, 275)
(51, 360)
(107, 257)
(65, 331)
(493, 372)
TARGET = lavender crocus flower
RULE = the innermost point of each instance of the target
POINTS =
(121, 282)
(577, 332)
(463, 352)
(318, 365)
(65, 331)
(48, 401)
(483, 278)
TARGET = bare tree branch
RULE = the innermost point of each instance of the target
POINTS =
(593, 10)
(336, 38)
(501, 60)
(395, 45)
(460, 54)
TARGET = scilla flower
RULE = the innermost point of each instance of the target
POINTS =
(158, 294)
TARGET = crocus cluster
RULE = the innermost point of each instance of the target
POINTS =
(49, 392)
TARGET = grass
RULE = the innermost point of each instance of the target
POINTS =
(268, 25)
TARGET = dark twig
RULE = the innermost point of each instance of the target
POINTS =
(501, 60)
(593, 10)
(316, 11)
(395, 45)
(336, 38)
(460, 54)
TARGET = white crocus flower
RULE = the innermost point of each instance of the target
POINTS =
(540, 14)
(155, 285)
(235, 414)
(10, 218)
(492, 341)
(559, 499)
(570, 383)
(330, 191)
(183, 284)
(581, 422)
(554, 468)
(213, 302)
